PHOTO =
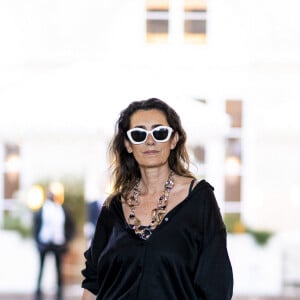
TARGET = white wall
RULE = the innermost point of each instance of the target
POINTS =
(80, 55)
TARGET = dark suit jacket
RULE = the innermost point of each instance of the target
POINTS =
(69, 231)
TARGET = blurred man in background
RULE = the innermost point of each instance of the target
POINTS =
(53, 230)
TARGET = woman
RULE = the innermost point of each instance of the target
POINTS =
(160, 234)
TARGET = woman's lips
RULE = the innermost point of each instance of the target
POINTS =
(149, 152)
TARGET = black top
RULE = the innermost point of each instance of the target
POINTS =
(184, 258)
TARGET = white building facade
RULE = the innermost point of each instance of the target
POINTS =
(231, 69)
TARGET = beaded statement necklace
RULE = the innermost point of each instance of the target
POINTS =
(157, 213)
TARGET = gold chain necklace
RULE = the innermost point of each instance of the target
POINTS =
(157, 213)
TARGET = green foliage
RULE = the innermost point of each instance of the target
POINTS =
(74, 202)
(234, 224)
(260, 236)
(14, 222)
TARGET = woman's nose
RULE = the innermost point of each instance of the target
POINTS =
(150, 140)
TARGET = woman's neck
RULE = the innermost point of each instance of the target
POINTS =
(153, 181)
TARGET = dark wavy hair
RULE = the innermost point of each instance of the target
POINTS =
(125, 170)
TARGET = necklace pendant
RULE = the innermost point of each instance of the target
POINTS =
(158, 213)
(169, 183)
(162, 207)
(146, 233)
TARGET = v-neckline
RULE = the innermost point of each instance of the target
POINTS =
(167, 215)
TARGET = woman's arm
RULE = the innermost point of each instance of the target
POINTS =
(214, 276)
(90, 273)
(87, 295)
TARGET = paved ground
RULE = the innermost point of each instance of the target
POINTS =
(71, 292)
(266, 298)
(51, 297)
(74, 293)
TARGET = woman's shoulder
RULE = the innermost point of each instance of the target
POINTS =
(202, 192)
(187, 187)
(197, 185)
(111, 201)
(191, 185)
(113, 207)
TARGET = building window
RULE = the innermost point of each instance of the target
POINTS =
(157, 23)
(233, 170)
(233, 156)
(199, 153)
(233, 148)
(234, 110)
(11, 170)
(233, 188)
(195, 12)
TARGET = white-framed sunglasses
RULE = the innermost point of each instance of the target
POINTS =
(160, 134)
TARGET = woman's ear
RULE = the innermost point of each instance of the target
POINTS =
(128, 146)
(174, 140)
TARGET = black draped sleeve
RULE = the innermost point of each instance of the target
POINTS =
(98, 243)
(213, 277)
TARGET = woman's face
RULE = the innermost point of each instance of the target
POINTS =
(150, 153)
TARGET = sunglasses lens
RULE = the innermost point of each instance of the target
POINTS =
(161, 134)
(138, 135)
